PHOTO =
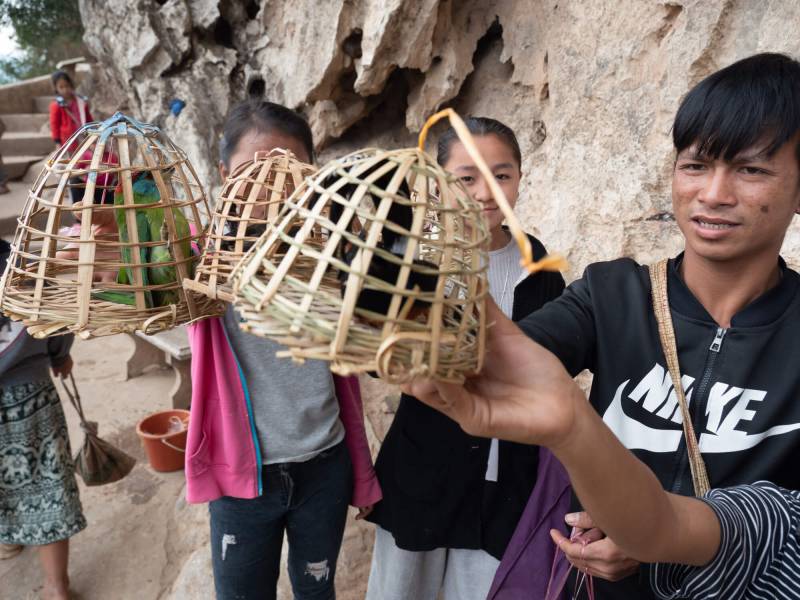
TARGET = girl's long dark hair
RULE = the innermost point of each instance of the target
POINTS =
(478, 126)
(263, 117)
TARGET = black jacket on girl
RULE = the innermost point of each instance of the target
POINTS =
(432, 474)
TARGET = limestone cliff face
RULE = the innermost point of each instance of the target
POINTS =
(591, 88)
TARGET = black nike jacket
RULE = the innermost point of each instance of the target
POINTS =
(742, 383)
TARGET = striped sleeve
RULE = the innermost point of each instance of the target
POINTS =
(759, 553)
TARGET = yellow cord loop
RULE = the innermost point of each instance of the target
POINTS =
(551, 262)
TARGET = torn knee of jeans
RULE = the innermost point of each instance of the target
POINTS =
(318, 570)
(228, 539)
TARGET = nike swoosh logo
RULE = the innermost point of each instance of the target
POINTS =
(635, 435)
(736, 441)
(638, 436)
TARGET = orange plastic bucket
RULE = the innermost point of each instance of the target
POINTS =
(165, 448)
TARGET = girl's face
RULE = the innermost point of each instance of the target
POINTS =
(502, 164)
(64, 89)
(255, 141)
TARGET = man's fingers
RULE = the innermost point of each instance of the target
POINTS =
(450, 399)
(572, 550)
(451, 394)
(608, 575)
(603, 551)
(581, 520)
(598, 559)
(613, 572)
(596, 554)
(424, 389)
(438, 394)
(590, 536)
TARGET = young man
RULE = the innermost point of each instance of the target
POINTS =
(745, 536)
(735, 308)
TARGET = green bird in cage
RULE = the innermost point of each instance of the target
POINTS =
(150, 227)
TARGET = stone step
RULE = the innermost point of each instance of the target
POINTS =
(41, 104)
(16, 143)
(17, 166)
(33, 122)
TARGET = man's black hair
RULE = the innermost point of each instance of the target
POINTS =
(59, 75)
(753, 101)
(478, 126)
(263, 117)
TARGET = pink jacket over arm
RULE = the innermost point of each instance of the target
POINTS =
(223, 457)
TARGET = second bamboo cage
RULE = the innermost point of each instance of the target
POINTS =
(252, 197)
(114, 260)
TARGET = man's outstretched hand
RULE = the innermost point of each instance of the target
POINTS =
(523, 394)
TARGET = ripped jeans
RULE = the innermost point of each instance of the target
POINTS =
(308, 501)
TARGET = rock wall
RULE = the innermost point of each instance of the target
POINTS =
(590, 86)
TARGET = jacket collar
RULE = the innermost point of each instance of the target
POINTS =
(762, 311)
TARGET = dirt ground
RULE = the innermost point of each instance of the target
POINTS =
(143, 541)
(123, 553)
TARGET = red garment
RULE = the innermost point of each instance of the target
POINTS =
(66, 120)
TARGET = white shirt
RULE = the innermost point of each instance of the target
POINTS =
(504, 273)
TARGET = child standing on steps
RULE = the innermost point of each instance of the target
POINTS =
(274, 447)
(68, 113)
(68, 110)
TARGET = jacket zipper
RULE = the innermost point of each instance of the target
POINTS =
(697, 407)
(250, 415)
(716, 345)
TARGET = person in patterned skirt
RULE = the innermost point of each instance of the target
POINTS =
(39, 502)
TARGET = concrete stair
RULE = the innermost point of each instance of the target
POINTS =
(26, 143)
(17, 166)
(42, 104)
(26, 122)
(24, 110)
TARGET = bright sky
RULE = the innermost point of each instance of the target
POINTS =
(8, 47)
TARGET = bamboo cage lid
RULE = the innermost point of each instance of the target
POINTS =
(251, 197)
(113, 261)
(399, 286)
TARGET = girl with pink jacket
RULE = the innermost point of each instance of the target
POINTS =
(274, 447)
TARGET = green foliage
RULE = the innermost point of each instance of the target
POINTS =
(47, 31)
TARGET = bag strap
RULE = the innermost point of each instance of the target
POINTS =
(666, 332)
(75, 399)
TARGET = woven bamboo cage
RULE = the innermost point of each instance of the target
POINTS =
(399, 286)
(114, 261)
(251, 197)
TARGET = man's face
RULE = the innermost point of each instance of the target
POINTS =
(729, 210)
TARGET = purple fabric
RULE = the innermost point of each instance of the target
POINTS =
(525, 569)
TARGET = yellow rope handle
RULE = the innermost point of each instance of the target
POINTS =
(551, 262)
